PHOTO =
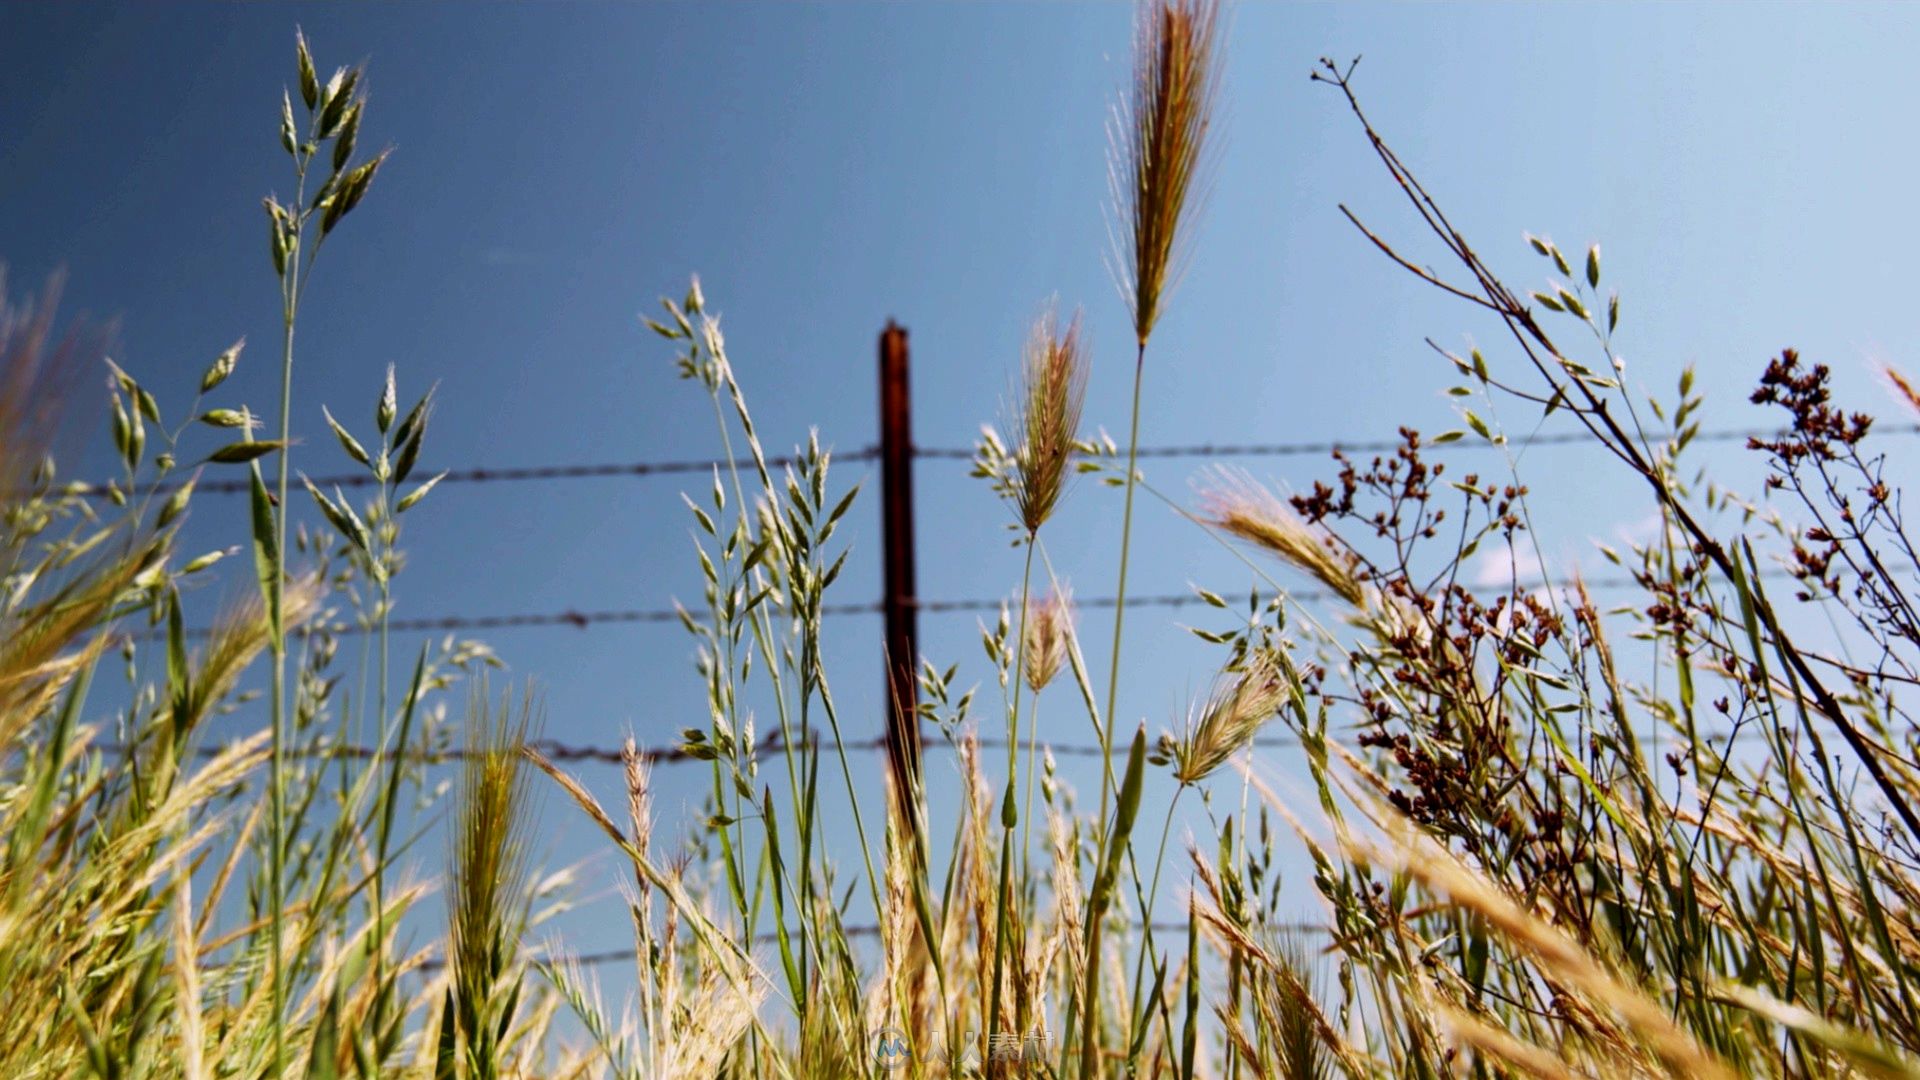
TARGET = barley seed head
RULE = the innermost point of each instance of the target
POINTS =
(1160, 146)
(1236, 503)
(1052, 395)
(1902, 386)
(1219, 727)
(1049, 627)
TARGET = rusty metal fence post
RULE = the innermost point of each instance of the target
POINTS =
(900, 602)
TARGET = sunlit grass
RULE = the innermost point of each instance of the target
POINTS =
(1508, 879)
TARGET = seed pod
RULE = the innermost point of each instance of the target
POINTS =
(119, 426)
(384, 412)
(347, 442)
(347, 193)
(418, 493)
(136, 439)
(202, 562)
(349, 131)
(339, 94)
(175, 505)
(288, 139)
(242, 452)
(416, 417)
(409, 453)
(309, 78)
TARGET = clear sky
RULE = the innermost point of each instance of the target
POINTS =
(1747, 168)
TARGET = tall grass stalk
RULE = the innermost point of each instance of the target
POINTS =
(275, 580)
(1047, 638)
(488, 879)
(333, 111)
(1158, 158)
(1009, 811)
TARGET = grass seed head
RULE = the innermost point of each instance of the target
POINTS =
(1236, 503)
(1049, 626)
(1054, 391)
(493, 820)
(1160, 147)
(1903, 388)
(1239, 703)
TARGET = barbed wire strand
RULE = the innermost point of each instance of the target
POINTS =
(480, 474)
(556, 751)
(1387, 446)
(769, 937)
(611, 617)
(603, 470)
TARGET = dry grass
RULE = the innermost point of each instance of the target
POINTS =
(1529, 856)
(1053, 394)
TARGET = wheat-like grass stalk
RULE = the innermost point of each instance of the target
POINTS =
(1047, 635)
(1226, 721)
(1902, 386)
(1158, 154)
(1234, 502)
(488, 878)
(1053, 392)
(1161, 145)
(297, 231)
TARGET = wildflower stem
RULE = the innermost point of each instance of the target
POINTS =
(1153, 893)
(378, 884)
(276, 604)
(1120, 588)
(1026, 811)
(760, 622)
(846, 770)
(1007, 804)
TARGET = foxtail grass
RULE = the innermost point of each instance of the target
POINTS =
(493, 819)
(1051, 398)
(1159, 151)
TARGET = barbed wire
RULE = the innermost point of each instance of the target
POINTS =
(601, 470)
(1385, 446)
(583, 620)
(561, 752)
(558, 752)
(481, 474)
(768, 937)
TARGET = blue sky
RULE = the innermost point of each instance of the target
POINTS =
(557, 167)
